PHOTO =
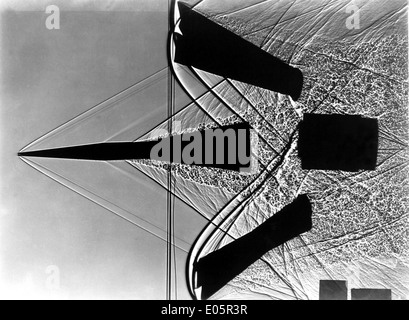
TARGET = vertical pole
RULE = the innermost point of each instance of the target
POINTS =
(170, 222)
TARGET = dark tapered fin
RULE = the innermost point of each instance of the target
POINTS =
(371, 294)
(223, 157)
(333, 290)
(338, 142)
(97, 152)
(210, 47)
(218, 268)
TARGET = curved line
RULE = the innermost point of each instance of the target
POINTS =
(190, 275)
(228, 214)
(217, 95)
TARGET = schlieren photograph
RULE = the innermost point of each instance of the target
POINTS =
(204, 150)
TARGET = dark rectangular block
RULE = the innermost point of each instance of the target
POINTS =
(338, 142)
(218, 268)
(371, 294)
(333, 290)
(208, 46)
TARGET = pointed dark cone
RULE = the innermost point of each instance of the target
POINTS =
(97, 152)
(122, 151)
(218, 268)
(209, 47)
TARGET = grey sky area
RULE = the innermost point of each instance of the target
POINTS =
(47, 78)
